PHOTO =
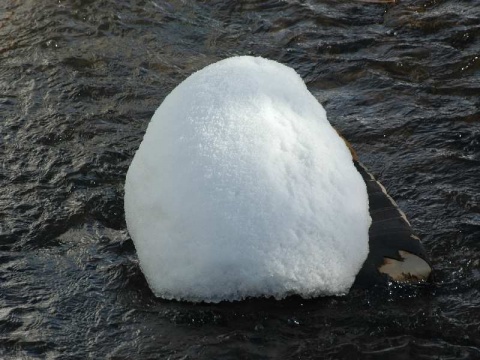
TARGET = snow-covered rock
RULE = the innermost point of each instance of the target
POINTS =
(242, 188)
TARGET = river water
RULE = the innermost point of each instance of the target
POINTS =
(79, 82)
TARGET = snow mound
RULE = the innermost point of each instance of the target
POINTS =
(242, 188)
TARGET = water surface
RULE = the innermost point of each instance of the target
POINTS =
(79, 82)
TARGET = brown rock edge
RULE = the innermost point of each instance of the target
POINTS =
(396, 253)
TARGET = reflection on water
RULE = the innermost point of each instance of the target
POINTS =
(79, 81)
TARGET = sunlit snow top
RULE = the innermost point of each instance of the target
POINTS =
(241, 188)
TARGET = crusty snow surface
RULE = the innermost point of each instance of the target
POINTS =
(242, 188)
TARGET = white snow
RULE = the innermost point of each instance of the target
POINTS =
(242, 188)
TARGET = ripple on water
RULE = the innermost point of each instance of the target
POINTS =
(80, 81)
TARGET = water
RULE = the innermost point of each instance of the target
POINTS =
(79, 81)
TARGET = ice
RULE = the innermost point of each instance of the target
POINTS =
(242, 188)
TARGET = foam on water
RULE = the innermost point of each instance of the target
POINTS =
(241, 187)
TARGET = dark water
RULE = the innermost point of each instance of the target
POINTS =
(79, 81)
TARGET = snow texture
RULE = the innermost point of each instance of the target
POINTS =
(242, 188)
